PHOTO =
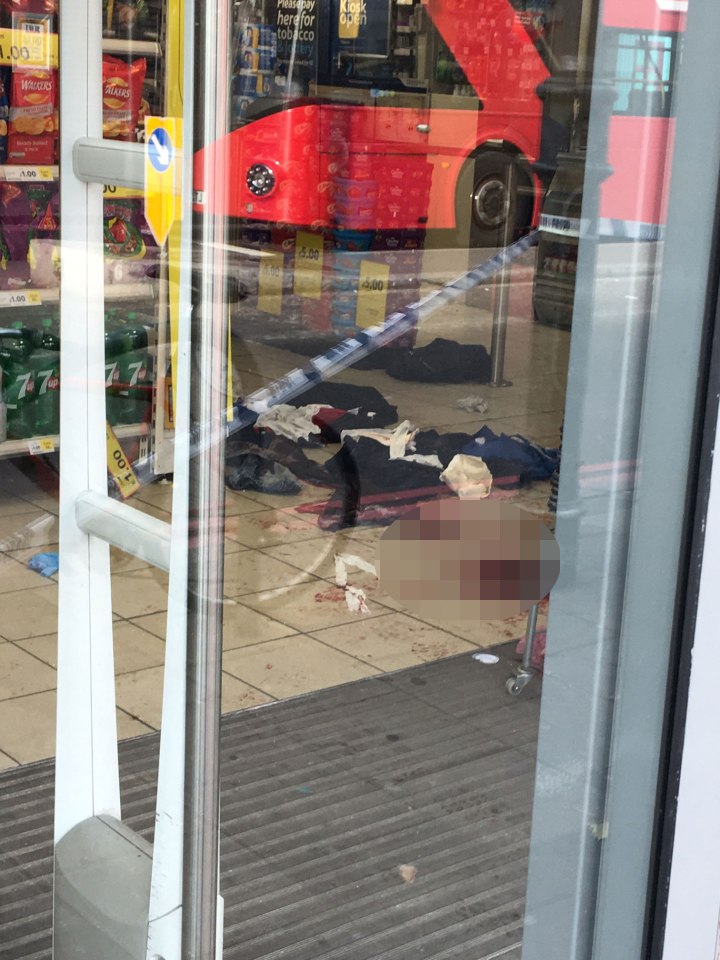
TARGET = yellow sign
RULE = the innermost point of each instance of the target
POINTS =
(372, 293)
(119, 467)
(352, 15)
(308, 265)
(162, 134)
(30, 45)
(270, 281)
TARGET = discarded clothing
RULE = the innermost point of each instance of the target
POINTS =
(442, 361)
(295, 423)
(468, 477)
(279, 449)
(397, 440)
(363, 406)
(506, 456)
(364, 466)
(46, 564)
(255, 471)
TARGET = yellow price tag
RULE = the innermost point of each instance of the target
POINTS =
(41, 445)
(270, 282)
(25, 298)
(29, 174)
(111, 192)
(308, 265)
(119, 467)
(372, 293)
(29, 45)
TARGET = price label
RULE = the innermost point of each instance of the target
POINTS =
(26, 298)
(30, 173)
(119, 467)
(41, 445)
(372, 293)
(111, 192)
(270, 282)
(29, 45)
(308, 265)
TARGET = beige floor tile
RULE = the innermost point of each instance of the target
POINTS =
(159, 494)
(36, 529)
(151, 510)
(241, 626)
(44, 648)
(269, 527)
(295, 665)
(121, 562)
(14, 575)
(487, 633)
(128, 726)
(252, 571)
(237, 695)
(28, 613)
(140, 695)
(318, 556)
(136, 592)
(136, 649)
(308, 606)
(11, 506)
(308, 494)
(7, 762)
(42, 500)
(238, 504)
(27, 726)
(393, 642)
(22, 673)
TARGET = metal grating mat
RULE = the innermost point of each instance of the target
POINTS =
(386, 818)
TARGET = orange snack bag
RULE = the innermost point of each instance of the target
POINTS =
(122, 93)
(33, 117)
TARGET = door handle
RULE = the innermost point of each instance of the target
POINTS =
(423, 128)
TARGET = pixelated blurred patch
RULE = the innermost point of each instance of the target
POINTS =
(468, 560)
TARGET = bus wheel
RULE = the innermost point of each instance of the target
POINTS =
(483, 205)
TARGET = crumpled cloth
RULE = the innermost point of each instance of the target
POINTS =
(295, 423)
(46, 564)
(468, 476)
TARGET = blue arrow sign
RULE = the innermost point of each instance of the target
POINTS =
(160, 150)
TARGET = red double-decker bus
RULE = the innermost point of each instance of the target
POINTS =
(642, 40)
(391, 115)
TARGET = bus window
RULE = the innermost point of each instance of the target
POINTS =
(643, 70)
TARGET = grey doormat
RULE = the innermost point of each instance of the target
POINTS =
(385, 818)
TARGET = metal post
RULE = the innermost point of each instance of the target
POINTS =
(208, 349)
(524, 674)
(502, 292)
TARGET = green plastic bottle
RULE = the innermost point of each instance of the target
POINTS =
(116, 345)
(16, 346)
(135, 379)
(45, 367)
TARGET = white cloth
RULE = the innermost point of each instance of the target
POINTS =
(468, 476)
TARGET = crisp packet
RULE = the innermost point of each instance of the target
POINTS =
(122, 93)
(33, 117)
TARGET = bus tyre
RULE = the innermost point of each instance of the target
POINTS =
(483, 205)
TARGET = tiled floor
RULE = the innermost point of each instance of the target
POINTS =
(287, 627)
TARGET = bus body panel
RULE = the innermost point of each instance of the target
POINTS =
(413, 154)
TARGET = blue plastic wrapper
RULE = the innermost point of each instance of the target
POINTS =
(46, 564)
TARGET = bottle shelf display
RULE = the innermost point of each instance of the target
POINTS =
(30, 225)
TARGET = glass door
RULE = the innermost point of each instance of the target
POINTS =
(341, 356)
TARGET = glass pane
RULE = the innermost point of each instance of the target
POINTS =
(373, 299)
